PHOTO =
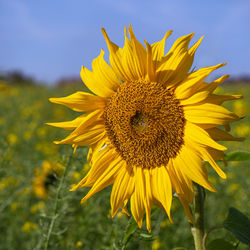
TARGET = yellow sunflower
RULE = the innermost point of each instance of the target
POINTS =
(150, 123)
(45, 176)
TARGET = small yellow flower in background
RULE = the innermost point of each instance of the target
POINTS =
(3, 87)
(44, 176)
(240, 108)
(156, 244)
(59, 113)
(164, 223)
(242, 129)
(76, 176)
(29, 226)
(79, 244)
(150, 124)
(27, 135)
(38, 207)
(2, 120)
(233, 188)
(46, 148)
(120, 215)
(86, 167)
(12, 138)
(42, 132)
(14, 206)
(6, 182)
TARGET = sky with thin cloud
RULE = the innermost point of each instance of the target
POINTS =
(52, 39)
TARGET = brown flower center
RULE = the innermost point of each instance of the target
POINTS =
(145, 123)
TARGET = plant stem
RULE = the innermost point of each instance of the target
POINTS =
(198, 227)
(55, 214)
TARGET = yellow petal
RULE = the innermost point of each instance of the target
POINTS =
(137, 199)
(213, 85)
(124, 208)
(128, 60)
(199, 136)
(151, 73)
(185, 65)
(69, 125)
(122, 189)
(90, 127)
(149, 198)
(180, 182)
(94, 82)
(185, 204)
(104, 74)
(140, 55)
(191, 165)
(209, 113)
(175, 59)
(207, 157)
(221, 135)
(161, 188)
(107, 178)
(219, 99)
(81, 101)
(196, 98)
(158, 48)
(115, 58)
(194, 81)
(98, 167)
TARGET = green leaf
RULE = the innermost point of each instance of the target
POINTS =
(179, 248)
(237, 156)
(238, 223)
(219, 244)
(146, 236)
(131, 228)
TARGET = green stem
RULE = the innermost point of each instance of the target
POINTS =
(55, 214)
(198, 227)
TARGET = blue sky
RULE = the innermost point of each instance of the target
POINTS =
(52, 39)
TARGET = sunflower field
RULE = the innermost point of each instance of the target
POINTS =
(37, 210)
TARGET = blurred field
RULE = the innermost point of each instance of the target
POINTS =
(33, 169)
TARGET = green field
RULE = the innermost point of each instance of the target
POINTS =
(37, 210)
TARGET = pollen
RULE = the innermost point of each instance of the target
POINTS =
(145, 123)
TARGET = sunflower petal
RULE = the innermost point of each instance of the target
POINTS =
(221, 135)
(194, 81)
(219, 99)
(122, 189)
(162, 188)
(209, 113)
(191, 165)
(106, 179)
(115, 58)
(158, 48)
(175, 58)
(137, 198)
(201, 137)
(81, 101)
(69, 125)
(151, 73)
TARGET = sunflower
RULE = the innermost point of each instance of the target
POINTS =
(46, 176)
(150, 124)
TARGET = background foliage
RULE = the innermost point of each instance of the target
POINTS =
(38, 211)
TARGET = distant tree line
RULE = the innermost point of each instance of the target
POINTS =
(17, 77)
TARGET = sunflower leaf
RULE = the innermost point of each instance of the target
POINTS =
(237, 156)
(219, 244)
(131, 228)
(146, 236)
(238, 224)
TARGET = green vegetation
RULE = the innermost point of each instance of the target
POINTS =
(37, 211)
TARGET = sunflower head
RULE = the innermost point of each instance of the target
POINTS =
(150, 123)
(45, 176)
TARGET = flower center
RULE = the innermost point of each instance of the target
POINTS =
(145, 123)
